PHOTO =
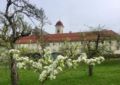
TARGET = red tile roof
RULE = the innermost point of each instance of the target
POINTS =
(27, 39)
(67, 36)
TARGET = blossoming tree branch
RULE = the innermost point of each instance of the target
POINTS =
(47, 67)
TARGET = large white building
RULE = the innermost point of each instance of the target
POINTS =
(55, 40)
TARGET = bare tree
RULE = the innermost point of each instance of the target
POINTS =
(10, 31)
(41, 39)
(40, 33)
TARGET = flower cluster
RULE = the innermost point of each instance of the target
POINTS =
(94, 60)
(14, 51)
(23, 62)
(91, 61)
(26, 62)
(83, 58)
(69, 62)
(49, 68)
(53, 69)
(37, 65)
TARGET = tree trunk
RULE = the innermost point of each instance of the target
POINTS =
(14, 74)
(13, 69)
(42, 83)
(90, 70)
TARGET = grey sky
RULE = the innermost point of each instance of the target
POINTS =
(75, 14)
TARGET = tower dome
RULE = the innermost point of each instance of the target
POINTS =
(59, 27)
(59, 23)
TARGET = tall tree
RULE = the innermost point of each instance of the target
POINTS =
(93, 47)
(41, 33)
(10, 30)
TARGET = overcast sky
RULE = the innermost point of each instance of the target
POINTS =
(76, 14)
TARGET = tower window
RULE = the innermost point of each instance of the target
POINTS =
(58, 31)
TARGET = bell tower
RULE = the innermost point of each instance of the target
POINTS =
(59, 27)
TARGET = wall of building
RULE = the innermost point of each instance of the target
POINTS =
(54, 46)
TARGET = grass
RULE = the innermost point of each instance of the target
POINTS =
(108, 73)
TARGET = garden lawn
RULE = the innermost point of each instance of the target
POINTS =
(108, 73)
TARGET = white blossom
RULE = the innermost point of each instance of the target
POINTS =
(59, 68)
(69, 63)
(20, 65)
(60, 57)
(49, 68)
(15, 51)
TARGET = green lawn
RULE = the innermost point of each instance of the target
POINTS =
(108, 73)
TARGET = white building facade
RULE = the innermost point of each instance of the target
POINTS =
(54, 41)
